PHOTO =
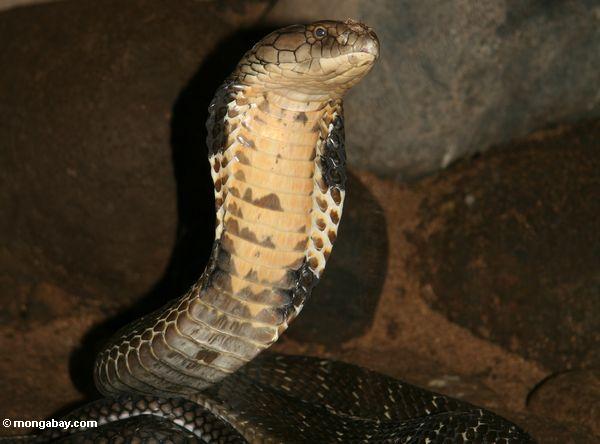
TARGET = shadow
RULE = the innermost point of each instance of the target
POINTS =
(343, 305)
(195, 203)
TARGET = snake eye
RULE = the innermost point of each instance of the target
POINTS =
(320, 32)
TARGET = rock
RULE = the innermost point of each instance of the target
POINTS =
(456, 77)
(545, 431)
(572, 398)
(47, 302)
(103, 104)
(509, 247)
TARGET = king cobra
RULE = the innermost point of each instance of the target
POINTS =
(191, 371)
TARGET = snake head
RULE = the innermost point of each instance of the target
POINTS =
(325, 58)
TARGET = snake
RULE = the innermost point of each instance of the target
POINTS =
(196, 370)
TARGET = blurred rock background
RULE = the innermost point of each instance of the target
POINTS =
(480, 280)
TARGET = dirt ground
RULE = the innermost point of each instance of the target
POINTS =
(481, 282)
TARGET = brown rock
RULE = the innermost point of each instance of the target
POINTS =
(48, 302)
(509, 247)
(572, 398)
(100, 110)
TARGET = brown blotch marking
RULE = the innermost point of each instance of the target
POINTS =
(218, 202)
(313, 262)
(227, 244)
(232, 226)
(259, 119)
(239, 175)
(218, 185)
(321, 225)
(322, 204)
(301, 117)
(335, 217)
(302, 229)
(224, 179)
(270, 201)
(224, 162)
(235, 210)
(234, 191)
(251, 275)
(326, 253)
(261, 296)
(318, 242)
(223, 281)
(322, 185)
(249, 235)
(300, 246)
(217, 165)
(207, 356)
(336, 195)
(232, 113)
(264, 106)
(316, 127)
(247, 294)
(241, 101)
(242, 157)
(267, 242)
(332, 235)
(248, 195)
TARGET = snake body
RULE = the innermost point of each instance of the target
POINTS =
(191, 370)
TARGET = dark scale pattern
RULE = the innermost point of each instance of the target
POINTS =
(216, 126)
(305, 280)
(296, 399)
(145, 419)
(333, 157)
(140, 430)
(212, 266)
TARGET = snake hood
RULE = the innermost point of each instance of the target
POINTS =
(320, 60)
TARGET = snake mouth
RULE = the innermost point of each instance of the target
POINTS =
(371, 46)
(361, 58)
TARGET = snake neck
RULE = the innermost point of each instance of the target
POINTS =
(277, 163)
(276, 217)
